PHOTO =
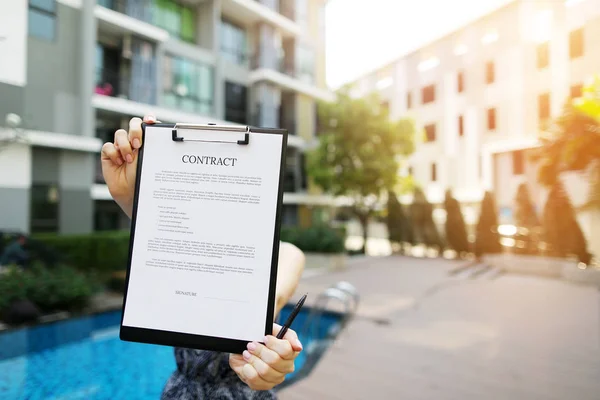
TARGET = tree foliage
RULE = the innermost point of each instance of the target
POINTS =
(456, 230)
(572, 142)
(358, 150)
(562, 232)
(488, 239)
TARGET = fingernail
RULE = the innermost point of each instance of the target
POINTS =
(120, 161)
(151, 118)
(266, 339)
(251, 346)
(299, 344)
(129, 158)
(136, 143)
(246, 355)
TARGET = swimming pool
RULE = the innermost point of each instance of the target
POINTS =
(83, 358)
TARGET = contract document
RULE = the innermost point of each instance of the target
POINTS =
(204, 236)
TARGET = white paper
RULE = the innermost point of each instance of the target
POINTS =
(204, 235)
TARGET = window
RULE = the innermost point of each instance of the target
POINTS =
(305, 64)
(433, 172)
(408, 100)
(176, 19)
(236, 103)
(44, 208)
(576, 43)
(490, 72)
(430, 132)
(518, 159)
(42, 19)
(543, 55)
(491, 119)
(576, 91)
(544, 106)
(234, 43)
(461, 82)
(188, 85)
(428, 94)
(461, 127)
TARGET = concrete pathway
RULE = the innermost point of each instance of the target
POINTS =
(424, 332)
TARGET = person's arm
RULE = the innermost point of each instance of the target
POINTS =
(289, 271)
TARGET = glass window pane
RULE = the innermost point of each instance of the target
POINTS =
(170, 100)
(187, 24)
(41, 25)
(47, 5)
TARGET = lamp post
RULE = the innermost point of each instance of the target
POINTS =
(14, 134)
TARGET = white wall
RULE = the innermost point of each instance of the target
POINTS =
(15, 165)
(13, 42)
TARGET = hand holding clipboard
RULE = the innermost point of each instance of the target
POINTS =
(120, 163)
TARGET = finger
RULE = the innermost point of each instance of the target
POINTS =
(149, 119)
(290, 336)
(109, 152)
(281, 347)
(272, 358)
(122, 144)
(264, 371)
(135, 132)
(251, 377)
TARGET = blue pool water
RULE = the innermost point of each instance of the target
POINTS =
(84, 358)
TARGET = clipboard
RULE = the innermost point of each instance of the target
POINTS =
(143, 318)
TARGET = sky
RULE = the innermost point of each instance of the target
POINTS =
(362, 35)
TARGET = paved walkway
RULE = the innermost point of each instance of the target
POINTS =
(424, 333)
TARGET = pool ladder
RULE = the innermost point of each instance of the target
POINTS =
(343, 292)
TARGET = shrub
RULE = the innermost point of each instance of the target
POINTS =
(398, 222)
(421, 212)
(488, 238)
(526, 221)
(60, 288)
(316, 239)
(99, 251)
(562, 232)
(456, 231)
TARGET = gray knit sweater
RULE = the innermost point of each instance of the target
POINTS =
(207, 375)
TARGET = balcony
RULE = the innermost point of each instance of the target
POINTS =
(289, 82)
(128, 17)
(253, 12)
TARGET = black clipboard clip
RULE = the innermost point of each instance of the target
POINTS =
(212, 127)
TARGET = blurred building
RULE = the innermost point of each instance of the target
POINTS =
(75, 71)
(480, 94)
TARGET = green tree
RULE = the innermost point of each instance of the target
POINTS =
(562, 232)
(424, 227)
(398, 223)
(526, 221)
(488, 239)
(456, 231)
(358, 150)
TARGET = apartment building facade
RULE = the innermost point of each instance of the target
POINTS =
(481, 93)
(75, 71)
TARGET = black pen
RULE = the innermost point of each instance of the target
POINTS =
(290, 319)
